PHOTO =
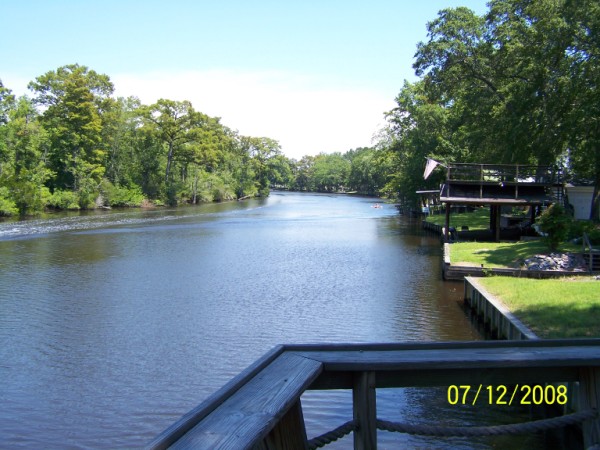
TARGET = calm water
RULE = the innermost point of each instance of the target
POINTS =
(114, 324)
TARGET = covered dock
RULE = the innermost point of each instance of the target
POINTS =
(497, 185)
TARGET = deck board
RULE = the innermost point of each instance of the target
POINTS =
(255, 409)
(460, 358)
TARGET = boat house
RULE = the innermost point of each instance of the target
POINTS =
(496, 186)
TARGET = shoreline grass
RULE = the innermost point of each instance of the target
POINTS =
(500, 254)
(476, 220)
(553, 309)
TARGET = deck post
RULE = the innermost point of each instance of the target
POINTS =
(589, 393)
(365, 411)
(495, 211)
(289, 433)
(447, 224)
(497, 224)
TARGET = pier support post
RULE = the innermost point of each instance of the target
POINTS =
(365, 411)
(447, 224)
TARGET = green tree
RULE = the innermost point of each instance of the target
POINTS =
(119, 133)
(7, 103)
(369, 170)
(261, 151)
(303, 174)
(520, 83)
(420, 127)
(27, 143)
(149, 164)
(280, 171)
(504, 76)
(176, 124)
(204, 157)
(555, 223)
(330, 172)
(583, 20)
(74, 99)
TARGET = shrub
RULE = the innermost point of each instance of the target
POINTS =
(213, 187)
(64, 200)
(578, 227)
(172, 192)
(7, 205)
(594, 234)
(121, 195)
(555, 222)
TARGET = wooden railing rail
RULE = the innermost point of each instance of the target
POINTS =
(503, 173)
(590, 251)
(260, 408)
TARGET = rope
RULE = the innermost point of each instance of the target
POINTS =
(518, 428)
(440, 431)
(334, 435)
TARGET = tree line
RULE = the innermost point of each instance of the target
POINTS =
(72, 145)
(519, 84)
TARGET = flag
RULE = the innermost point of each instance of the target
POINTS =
(431, 164)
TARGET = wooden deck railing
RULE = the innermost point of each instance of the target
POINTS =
(516, 173)
(260, 408)
(591, 254)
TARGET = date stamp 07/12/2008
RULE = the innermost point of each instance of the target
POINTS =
(507, 395)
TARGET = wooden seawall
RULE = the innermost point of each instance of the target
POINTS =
(261, 409)
(499, 321)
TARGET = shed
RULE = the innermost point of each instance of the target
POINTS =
(580, 197)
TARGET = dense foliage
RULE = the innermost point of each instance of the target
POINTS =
(555, 224)
(520, 84)
(74, 146)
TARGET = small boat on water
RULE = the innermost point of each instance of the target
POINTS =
(376, 205)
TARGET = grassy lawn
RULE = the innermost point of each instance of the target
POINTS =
(558, 308)
(500, 254)
(476, 220)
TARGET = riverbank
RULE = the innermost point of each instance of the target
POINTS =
(553, 309)
(497, 319)
(552, 293)
(516, 259)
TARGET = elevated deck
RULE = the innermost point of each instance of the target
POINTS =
(499, 185)
(260, 409)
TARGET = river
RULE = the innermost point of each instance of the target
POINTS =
(113, 324)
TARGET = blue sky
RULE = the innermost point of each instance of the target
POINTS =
(315, 75)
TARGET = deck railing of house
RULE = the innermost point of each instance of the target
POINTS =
(261, 408)
(509, 173)
(591, 254)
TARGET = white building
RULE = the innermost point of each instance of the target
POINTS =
(580, 197)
